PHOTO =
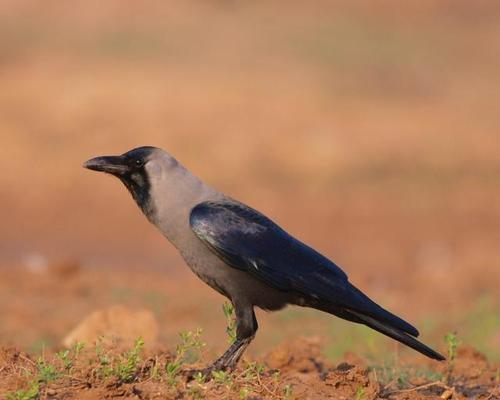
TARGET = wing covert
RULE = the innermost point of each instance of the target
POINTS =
(247, 240)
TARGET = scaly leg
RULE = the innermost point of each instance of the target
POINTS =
(246, 327)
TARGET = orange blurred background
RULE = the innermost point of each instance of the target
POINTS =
(367, 129)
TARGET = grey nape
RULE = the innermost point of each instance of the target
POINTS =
(243, 254)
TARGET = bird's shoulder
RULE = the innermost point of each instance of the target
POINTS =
(228, 215)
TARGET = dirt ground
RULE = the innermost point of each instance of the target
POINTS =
(297, 353)
(369, 130)
(294, 370)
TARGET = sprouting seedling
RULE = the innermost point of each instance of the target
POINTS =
(403, 380)
(46, 371)
(452, 342)
(254, 370)
(228, 310)
(77, 348)
(69, 356)
(199, 378)
(104, 360)
(360, 393)
(126, 369)
(287, 391)
(187, 351)
(195, 392)
(244, 393)
(65, 358)
(32, 393)
(222, 377)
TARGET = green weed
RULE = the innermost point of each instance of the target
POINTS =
(244, 393)
(46, 372)
(360, 393)
(126, 367)
(31, 393)
(429, 375)
(287, 392)
(253, 370)
(228, 310)
(64, 356)
(452, 342)
(223, 378)
(388, 374)
(187, 351)
(195, 392)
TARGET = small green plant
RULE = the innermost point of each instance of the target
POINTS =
(403, 380)
(31, 393)
(154, 372)
(46, 372)
(126, 367)
(77, 348)
(387, 374)
(276, 375)
(287, 392)
(64, 356)
(172, 369)
(244, 393)
(199, 378)
(187, 351)
(228, 310)
(429, 374)
(452, 342)
(360, 393)
(195, 392)
(223, 377)
(103, 359)
(253, 370)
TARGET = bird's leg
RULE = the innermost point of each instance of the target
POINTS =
(246, 327)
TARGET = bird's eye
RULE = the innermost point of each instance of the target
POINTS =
(139, 163)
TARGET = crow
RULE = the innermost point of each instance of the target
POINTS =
(243, 254)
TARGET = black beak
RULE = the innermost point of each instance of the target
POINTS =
(114, 165)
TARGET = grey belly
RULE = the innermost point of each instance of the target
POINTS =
(236, 285)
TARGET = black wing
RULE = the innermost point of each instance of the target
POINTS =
(247, 240)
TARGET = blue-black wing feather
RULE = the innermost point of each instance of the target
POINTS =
(247, 240)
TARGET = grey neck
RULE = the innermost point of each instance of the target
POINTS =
(172, 199)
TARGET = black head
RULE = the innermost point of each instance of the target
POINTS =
(130, 169)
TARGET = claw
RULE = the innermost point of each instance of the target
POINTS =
(226, 362)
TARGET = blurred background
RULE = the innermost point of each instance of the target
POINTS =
(369, 130)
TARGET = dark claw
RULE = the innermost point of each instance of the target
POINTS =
(226, 362)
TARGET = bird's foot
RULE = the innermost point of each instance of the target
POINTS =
(227, 362)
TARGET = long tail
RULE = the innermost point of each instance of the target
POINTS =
(357, 307)
(397, 334)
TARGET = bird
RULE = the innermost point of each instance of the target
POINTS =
(243, 254)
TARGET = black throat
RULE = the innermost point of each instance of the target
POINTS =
(136, 178)
(137, 183)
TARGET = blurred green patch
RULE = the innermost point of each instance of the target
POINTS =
(348, 337)
(481, 326)
(155, 300)
(121, 294)
(45, 342)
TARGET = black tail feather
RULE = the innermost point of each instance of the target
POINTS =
(361, 303)
(398, 335)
